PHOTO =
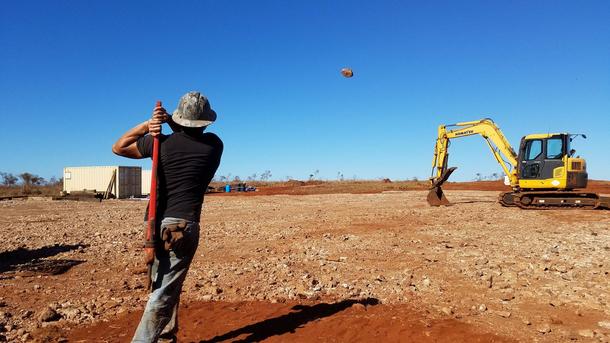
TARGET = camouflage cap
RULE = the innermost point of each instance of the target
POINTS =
(194, 111)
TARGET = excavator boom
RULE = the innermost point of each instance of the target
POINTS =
(496, 141)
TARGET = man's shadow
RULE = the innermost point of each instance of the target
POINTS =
(290, 321)
(22, 259)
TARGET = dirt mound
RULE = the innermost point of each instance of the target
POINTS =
(294, 183)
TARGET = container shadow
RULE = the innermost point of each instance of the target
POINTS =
(33, 260)
(289, 322)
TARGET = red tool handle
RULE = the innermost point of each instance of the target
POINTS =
(152, 205)
(149, 249)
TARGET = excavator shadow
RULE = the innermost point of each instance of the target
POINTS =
(34, 261)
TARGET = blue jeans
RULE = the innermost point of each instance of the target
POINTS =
(160, 317)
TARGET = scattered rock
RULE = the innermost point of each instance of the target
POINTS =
(560, 268)
(426, 282)
(555, 302)
(49, 315)
(71, 313)
(556, 321)
(481, 261)
(507, 295)
(503, 314)
(587, 333)
(26, 314)
(543, 328)
(447, 311)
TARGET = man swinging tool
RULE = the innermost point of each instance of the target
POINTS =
(188, 159)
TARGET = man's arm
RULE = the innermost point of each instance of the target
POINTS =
(126, 146)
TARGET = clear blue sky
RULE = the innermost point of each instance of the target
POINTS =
(76, 74)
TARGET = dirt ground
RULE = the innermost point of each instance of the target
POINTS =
(294, 187)
(310, 268)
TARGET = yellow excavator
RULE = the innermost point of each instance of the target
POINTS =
(544, 174)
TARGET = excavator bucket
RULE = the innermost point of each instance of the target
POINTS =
(436, 196)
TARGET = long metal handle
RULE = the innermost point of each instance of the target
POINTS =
(152, 210)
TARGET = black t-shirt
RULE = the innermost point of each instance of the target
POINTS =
(186, 166)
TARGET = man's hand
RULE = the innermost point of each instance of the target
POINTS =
(159, 117)
(126, 146)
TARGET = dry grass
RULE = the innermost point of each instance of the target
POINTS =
(47, 190)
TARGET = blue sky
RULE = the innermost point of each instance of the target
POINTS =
(74, 75)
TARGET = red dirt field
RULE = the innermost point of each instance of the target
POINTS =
(292, 267)
(345, 321)
(294, 187)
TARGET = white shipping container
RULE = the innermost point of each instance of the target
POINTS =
(128, 182)
(146, 175)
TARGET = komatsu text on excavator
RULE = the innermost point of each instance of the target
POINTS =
(544, 174)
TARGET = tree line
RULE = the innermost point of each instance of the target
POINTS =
(27, 181)
(264, 176)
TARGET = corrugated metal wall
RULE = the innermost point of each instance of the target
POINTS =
(98, 177)
(89, 178)
(146, 175)
(130, 182)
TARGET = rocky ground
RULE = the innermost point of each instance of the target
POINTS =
(514, 274)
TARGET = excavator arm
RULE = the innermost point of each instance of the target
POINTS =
(497, 142)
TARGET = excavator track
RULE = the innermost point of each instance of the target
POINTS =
(540, 200)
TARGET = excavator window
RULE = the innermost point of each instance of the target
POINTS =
(554, 148)
(533, 149)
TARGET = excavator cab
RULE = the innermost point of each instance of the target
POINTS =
(545, 161)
